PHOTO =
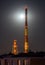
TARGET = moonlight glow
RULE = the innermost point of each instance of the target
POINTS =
(19, 16)
(22, 16)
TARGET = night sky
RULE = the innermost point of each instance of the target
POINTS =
(11, 28)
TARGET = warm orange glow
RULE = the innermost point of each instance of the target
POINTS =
(14, 48)
(15, 51)
(26, 33)
(26, 47)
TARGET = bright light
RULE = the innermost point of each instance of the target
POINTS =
(19, 16)
(22, 16)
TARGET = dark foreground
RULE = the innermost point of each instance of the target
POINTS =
(22, 59)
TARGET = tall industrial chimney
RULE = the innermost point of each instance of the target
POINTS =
(26, 46)
(14, 48)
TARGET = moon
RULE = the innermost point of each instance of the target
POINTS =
(19, 16)
(22, 16)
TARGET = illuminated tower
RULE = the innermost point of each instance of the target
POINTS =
(14, 48)
(26, 47)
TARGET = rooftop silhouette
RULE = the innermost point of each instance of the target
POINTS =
(29, 54)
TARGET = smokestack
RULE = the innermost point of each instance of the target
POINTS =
(14, 48)
(26, 47)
